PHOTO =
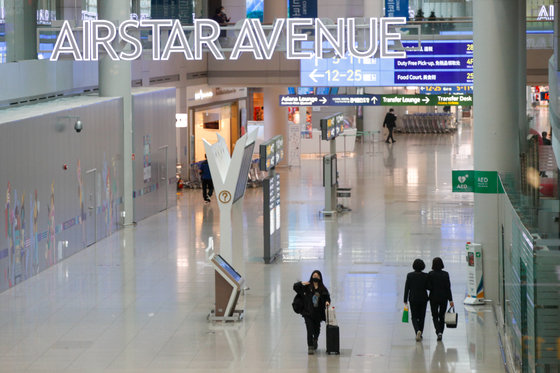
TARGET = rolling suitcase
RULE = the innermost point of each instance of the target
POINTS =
(333, 333)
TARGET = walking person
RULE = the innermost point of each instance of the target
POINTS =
(415, 292)
(316, 298)
(206, 179)
(440, 293)
(390, 122)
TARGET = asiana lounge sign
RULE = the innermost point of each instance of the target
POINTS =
(346, 37)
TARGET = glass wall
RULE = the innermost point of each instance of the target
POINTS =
(440, 8)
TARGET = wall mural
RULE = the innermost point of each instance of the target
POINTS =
(30, 251)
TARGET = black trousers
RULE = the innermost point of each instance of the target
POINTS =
(438, 314)
(418, 314)
(313, 325)
(207, 189)
(390, 136)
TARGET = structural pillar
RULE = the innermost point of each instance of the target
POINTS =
(114, 81)
(21, 30)
(275, 9)
(522, 74)
(68, 10)
(276, 117)
(373, 115)
(496, 116)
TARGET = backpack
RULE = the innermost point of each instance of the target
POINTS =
(297, 304)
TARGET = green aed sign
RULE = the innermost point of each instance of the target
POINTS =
(485, 182)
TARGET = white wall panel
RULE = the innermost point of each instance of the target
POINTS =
(36, 141)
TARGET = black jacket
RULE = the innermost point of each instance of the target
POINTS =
(390, 120)
(415, 288)
(307, 292)
(440, 286)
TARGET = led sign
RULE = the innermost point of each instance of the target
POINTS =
(345, 38)
(201, 95)
(332, 126)
(546, 14)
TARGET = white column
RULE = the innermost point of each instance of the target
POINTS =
(235, 9)
(496, 116)
(275, 9)
(373, 115)
(21, 30)
(522, 74)
(114, 81)
(276, 117)
(69, 10)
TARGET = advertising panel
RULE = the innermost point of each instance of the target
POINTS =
(302, 8)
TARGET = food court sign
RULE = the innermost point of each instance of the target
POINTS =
(345, 37)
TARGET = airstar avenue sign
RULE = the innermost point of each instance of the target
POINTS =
(345, 38)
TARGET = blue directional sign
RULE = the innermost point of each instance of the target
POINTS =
(437, 63)
(328, 100)
(377, 100)
(396, 8)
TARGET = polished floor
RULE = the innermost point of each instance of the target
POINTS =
(138, 301)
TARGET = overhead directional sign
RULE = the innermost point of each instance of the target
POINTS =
(434, 63)
(438, 89)
(376, 100)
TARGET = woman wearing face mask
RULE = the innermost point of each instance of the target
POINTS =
(316, 298)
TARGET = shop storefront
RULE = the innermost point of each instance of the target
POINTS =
(212, 111)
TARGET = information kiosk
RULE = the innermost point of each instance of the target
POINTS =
(331, 127)
(475, 278)
(271, 153)
(229, 284)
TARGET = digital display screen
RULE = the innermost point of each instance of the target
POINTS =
(332, 126)
(227, 267)
(291, 90)
(244, 172)
(255, 9)
(271, 152)
(323, 90)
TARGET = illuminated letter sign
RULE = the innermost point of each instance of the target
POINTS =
(544, 15)
(346, 37)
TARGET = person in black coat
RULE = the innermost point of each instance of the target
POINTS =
(390, 122)
(415, 293)
(440, 293)
(316, 298)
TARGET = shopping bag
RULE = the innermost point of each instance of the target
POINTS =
(405, 314)
(331, 316)
(451, 318)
